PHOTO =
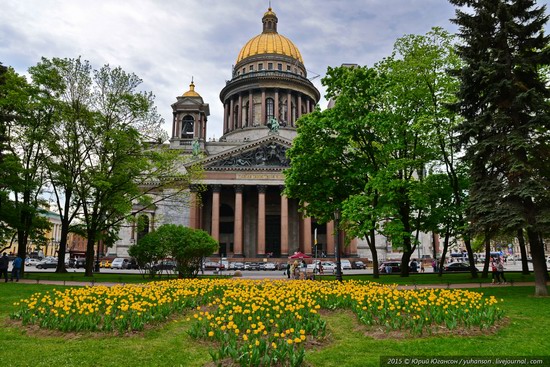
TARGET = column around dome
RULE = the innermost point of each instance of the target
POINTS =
(240, 113)
(262, 117)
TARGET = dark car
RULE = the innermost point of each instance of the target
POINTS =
(164, 265)
(80, 263)
(458, 267)
(47, 264)
(212, 265)
(358, 265)
(132, 264)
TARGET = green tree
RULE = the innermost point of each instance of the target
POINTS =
(186, 245)
(150, 249)
(333, 153)
(65, 85)
(504, 101)
(189, 247)
(25, 121)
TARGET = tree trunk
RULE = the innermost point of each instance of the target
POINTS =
(487, 261)
(539, 265)
(62, 246)
(444, 253)
(90, 255)
(523, 251)
(372, 246)
(471, 260)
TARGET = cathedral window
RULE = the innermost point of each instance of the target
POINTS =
(288, 68)
(270, 66)
(251, 67)
(280, 67)
(260, 66)
(188, 127)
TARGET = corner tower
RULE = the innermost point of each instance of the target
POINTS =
(190, 115)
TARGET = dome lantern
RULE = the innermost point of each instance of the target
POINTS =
(269, 42)
(270, 22)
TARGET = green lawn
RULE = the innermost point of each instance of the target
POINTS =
(527, 333)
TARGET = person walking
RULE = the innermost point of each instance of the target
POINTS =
(304, 269)
(496, 276)
(4, 264)
(17, 263)
(500, 271)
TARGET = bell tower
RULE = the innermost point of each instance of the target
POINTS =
(189, 121)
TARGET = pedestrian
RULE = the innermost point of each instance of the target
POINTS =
(388, 268)
(304, 268)
(17, 263)
(434, 265)
(294, 269)
(4, 264)
(500, 271)
(422, 267)
(496, 276)
(413, 267)
(288, 266)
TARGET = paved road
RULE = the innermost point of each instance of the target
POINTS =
(270, 274)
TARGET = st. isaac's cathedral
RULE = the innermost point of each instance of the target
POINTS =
(244, 207)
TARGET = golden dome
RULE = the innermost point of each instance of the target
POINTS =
(269, 41)
(191, 92)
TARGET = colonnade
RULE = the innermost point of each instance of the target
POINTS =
(288, 240)
(234, 119)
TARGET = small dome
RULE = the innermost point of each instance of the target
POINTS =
(269, 41)
(191, 92)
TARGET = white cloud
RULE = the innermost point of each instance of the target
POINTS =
(167, 42)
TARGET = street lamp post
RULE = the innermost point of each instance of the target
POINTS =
(337, 246)
(96, 268)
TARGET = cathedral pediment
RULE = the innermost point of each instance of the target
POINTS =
(264, 154)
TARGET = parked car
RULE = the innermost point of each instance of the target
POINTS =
(45, 264)
(358, 265)
(164, 265)
(251, 266)
(120, 263)
(458, 267)
(80, 263)
(345, 264)
(270, 266)
(130, 264)
(212, 265)
(31, 262)
(395, 267)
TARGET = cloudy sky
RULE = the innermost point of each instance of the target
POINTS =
(167, 42)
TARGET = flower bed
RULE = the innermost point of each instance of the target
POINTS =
(256, 322)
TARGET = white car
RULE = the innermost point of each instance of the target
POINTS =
(31, 262)
(119, 263)
(346, 264)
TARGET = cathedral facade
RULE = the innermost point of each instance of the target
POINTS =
(241, 201)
